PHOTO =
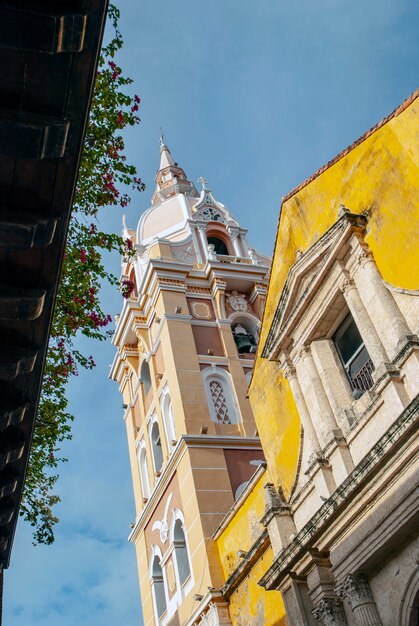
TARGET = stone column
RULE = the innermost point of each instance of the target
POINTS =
(356, 588)
(234, 235)
(321, 409)
(363, 321)
(391, 320)
(334, 379)
(202, 229)
(310, 435)
(330, 612)
(197, 243)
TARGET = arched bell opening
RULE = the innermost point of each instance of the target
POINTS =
(219, 245)
(245, 333)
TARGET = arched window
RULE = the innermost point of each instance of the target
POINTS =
(158, 586)
(219, 245)
(168, 419)
(181, 552)
(145, 377)
(156, 446)
(142, 463)
(221, 401)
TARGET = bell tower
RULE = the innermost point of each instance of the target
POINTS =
(185, 343)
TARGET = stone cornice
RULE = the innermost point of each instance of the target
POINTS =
(330, 510)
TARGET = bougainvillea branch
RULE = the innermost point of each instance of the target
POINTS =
(103, 179)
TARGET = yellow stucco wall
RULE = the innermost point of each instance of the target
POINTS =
(250, 604)
(379, 174)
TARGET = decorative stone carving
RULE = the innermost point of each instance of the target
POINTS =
(209, 213)
(331, 612)
(356, 588)
(184, 255)
(237, 302)
(347, 284)
(201, 310)
(162, 525)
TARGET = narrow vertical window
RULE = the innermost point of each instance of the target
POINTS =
(354, 355)
(145, 480)
(156, 447)
(168, 419)
(181, 552)
(145, 377)
(158, 587)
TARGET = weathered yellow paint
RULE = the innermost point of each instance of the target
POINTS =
(243, 529)
(250, 603)
(378, 174)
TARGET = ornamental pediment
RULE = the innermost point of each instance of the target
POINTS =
(306, 276)
(210, 214)
(209, 210)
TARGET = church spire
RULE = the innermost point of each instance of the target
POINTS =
(170, 178)
(166, 159)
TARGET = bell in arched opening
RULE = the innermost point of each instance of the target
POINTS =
(219, 246)
(245, 342)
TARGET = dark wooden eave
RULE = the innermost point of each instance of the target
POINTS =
(49, 51)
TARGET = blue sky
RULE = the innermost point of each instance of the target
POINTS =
(254, 96)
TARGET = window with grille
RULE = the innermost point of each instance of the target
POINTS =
(220, 402)
(354, 355)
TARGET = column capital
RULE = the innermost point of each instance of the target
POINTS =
(365, 256)
(357, 590)
(305, 351)
(289, 370)
(347, 284)
(234, 231)
(331, 612)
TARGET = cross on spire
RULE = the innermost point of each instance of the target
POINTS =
(202, 181)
